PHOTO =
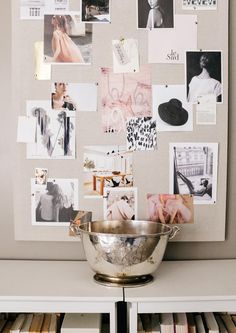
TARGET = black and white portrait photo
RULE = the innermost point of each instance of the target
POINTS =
(155, 14)
(53, 203)
(203, 75)
(95, 11)
(193, 170)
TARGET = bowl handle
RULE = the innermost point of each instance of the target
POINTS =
(174, 231)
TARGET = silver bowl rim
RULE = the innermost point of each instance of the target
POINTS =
(94, 233)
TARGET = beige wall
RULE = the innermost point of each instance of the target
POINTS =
(9, 248)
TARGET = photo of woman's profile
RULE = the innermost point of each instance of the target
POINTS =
(60, 98)
(155, 14)
(203, 75)
(66, 39)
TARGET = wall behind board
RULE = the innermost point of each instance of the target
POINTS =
(9, 248)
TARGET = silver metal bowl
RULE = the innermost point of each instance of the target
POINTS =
(125, 253)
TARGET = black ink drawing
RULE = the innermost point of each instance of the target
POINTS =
(55, 134)
(141, 134)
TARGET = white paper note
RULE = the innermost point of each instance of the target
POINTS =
(125, 56)
(206, 110)
(42, 69)
(77, 96)
(26, 129)
(120, 53)
(35, 9)
(199, 4)
(169, 45)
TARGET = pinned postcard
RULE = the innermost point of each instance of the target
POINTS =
(155, 14)
(170, 109)
(67, 40)
(193, 170)
(170, 208)
(74, 96)
(41, 176)
(206, 110)
(125, 56)
(55, 132)
(204, 74)
(141, 134)
(124, 95)
(173, 43)
(94, 11)
(42, 70)
(35, 9)
(26, 130)
(106, 166)
(120, 204)
(199, 4)
(53, 204)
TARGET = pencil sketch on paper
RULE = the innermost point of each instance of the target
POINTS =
(55, 132)
(124, 96)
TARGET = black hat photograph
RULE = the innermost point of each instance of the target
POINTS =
(173, 113)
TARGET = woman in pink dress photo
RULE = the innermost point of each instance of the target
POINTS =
(63, 47)
(67, 40)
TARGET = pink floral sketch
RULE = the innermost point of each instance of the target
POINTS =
(123, 96)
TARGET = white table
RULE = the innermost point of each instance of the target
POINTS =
(185, 286)
(55, 286)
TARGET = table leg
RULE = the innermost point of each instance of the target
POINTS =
(102, 185)
(94, 183)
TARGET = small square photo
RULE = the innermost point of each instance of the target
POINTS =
(96, 11)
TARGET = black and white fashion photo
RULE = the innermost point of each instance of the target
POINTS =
(54, 202)
(203, 75)
(95, 11)
(193, 170)
(155, 14)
